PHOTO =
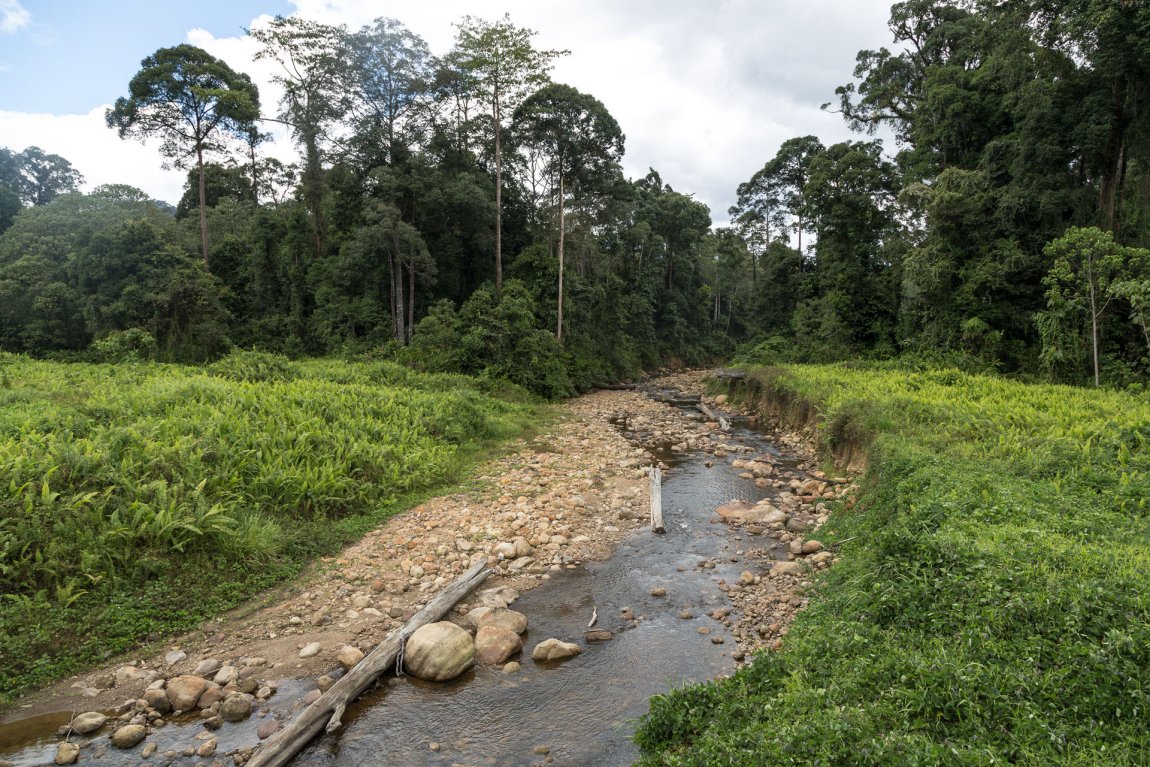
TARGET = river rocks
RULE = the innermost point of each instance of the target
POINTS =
(504, 550)
(500, 596)
(787, 568)
(158, 700)
(207, 748)
(348, 656)
(88, 722)
(267, 728)
(236, 707)
(66, 753)
(812, 547)
(798, 525)
(211, 696)
(500, 617)
(226, 675)
(438, 652)
(310, 650)
(555, 650)
(495, 644)
(741, 512)
(598, 635)
(185, 691)
(129, 736)
(659, 592)
(208, 667)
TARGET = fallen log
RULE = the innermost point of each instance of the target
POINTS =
(330, 706)
(656, 500)
(723, 421)
(617, 387)
(729, 373)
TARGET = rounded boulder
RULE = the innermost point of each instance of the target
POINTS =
(438, 652)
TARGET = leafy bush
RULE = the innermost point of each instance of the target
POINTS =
(132, 345)
(253, 366)
(493, 338)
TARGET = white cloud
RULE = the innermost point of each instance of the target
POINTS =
(93, 149)
(13, 16)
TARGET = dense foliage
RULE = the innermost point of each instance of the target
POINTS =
(992, 602)
(424, 178)
(140, 497)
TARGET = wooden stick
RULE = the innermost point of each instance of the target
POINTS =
(656, 500)
(724, 422)
(330, 706)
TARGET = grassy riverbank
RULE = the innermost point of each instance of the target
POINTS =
(992, 605)
(138, 499)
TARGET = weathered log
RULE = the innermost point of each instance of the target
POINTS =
(729, 373)
(722, 420)
(330, 706)
(674, 398)
(656, 500)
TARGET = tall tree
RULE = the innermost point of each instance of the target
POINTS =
(314, 72)
(501, 67)
(393, 70)
(581, 144)
(193, 102)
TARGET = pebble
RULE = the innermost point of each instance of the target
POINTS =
(310, 650)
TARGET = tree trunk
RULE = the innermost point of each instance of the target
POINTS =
(313, 192)
(203, 202)
(255, 177)
(410, 302)
(1115, 150)
(562, 226)
(400, 311)
(498, 196)
(1094, 334)
(391, 270)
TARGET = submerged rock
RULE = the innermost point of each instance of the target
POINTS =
(494, 645)
(129, 736)
(554, 649)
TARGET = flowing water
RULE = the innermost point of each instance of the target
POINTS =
(579, 712)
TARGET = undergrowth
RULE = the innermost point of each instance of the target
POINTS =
(138, 499)
(992, 602)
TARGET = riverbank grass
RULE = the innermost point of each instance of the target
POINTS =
(992, 602)
(137, 500)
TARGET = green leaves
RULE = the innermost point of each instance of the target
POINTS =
(992, 602)
(119, 477)
(189, 99)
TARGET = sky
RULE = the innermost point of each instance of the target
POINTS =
(705, 90)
